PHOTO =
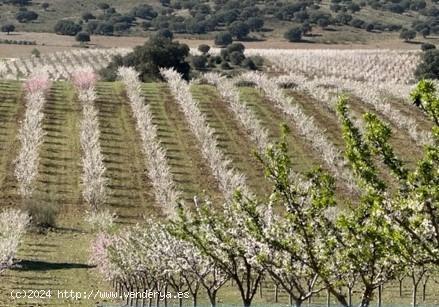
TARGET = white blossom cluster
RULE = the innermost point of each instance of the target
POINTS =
(31, 132)
(229, 179)
(244, 115)
(361, 65)
(155, 156)
(143, 258)
(368, 94)
(305, 125)
(61, 65)
(13, 225)
(3, 69)
(94, 188)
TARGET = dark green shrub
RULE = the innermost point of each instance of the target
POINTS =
(223, 39)
(294, 34)
(204, 49)
(429, 65)
(236, 57)
(427, 46)
(199, 62)
(158, 52)
(82, 37)
(249, 64)
(67, 27)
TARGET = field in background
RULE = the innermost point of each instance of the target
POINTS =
(50, 42)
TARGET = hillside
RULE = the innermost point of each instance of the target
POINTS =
(322, 22)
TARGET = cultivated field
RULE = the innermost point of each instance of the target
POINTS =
(298, 88)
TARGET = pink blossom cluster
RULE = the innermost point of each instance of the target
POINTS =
(99, 253)
(84, 78)
(37, 82)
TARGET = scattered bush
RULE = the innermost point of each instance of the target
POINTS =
(43, 216)
(17, 42)
(199, 62)
(36, 53)
(67, 27)
(105, 28)
(88, 16)
(158, 52)
(239, 29)
(249, 64)
(26, 16)
(204, 49)
(225, 66)
(82, 37)
(257, 60)
(429, 65)
(166, 33)
(223, 39)
(294, 34)
(255, 23)
(9, 27)
(236, 57)
(427, 46)
(103, 6)
(407, 35)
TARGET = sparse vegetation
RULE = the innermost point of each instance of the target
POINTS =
(8, 28)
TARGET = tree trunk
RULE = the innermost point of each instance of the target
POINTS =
(165, 289)
(260, 290)
(212, 298)
(424, 288)
(276, 294)
(328, 299)
(367, 297)
(350, 296)
(247, 302)
(298, 303)
(194, 300)
(414, 294)
(379, 302)
(400, 287)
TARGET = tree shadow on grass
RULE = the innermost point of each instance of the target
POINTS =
(32, 265)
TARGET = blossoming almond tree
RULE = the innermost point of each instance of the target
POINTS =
(93, 180)
(155, 156)
(31, 132)
(229, 179)
(307, 127)
(221, 235)
(242, 112)
(13, 225)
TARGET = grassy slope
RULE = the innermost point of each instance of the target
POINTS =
(10, 114)
(60, 9)
(63, 9)
(59, 259)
